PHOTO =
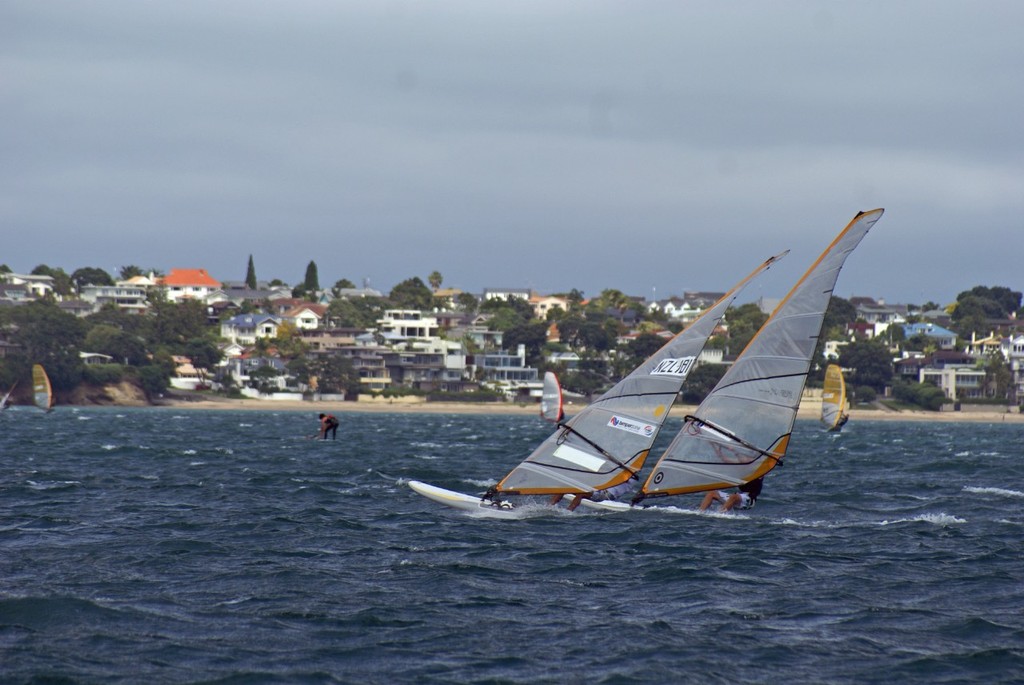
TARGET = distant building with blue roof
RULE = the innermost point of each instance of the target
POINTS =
(943, 338)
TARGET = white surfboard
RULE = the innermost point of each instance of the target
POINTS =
(460, 500)
(606, 505)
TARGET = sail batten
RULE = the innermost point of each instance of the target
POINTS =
(758, 397)
(617, 429)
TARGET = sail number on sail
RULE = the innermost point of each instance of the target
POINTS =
(674, 367)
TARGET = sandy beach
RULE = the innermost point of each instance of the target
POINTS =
(809, 409)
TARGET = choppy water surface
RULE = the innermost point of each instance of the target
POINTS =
(173, 546)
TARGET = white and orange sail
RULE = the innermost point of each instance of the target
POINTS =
(741, 430)
(606, 443)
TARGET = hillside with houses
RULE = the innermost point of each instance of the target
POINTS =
(188, 331)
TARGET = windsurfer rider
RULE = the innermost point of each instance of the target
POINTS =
(609, 494)
(744, 499)
(328, 424)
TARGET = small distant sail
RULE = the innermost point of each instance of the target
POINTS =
(551, 399)
(606, 443)
(42, 393)
(833, 399)
(741, 430)
(5, 401)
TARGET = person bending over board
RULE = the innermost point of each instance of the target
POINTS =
(744, 499)
(613, 493)
(328, 424)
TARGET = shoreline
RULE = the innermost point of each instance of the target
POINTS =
(809, 409)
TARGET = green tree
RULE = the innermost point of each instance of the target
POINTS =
(250, 275)
(48, 336)
(1000, 302)
(90, 275)
(123, 346)
(999, 378)
(642, 347)
(312, 281)
(575, 298)
(870, 361)
(744, 321)
(507, 313)
(173, 324)
(925, 395)
(838, 314)
(702, 380)
(154, 379)
(62, 283)
(359, 312)
(130, 271)
(972, 315)
(289, 341)
(342, 284)
(466, 302)
(204, 354)
(412, 293)
(435, 279)
(334, 374)
(532, 335)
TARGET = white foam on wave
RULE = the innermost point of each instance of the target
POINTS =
(1002, 492)
(938, 519)
(108, 447)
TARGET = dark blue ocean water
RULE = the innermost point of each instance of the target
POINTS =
(169, 546)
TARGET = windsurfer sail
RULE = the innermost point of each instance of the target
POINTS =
(42, 393)
(741, 430)
(551, 399)
(833, 399)
(5, 401)
(606, 443)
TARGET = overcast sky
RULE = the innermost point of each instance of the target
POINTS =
(651, 147)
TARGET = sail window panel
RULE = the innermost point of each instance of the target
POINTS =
(579, 457)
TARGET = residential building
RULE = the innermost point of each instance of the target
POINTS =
(956, 373)
(37, 285)
(193, 284)
(1012, 349)
(543, 305)
(508, 373)
(401, 325)
(129, 298)
(942, 338)
(506, 293)
(245, 329)
(306, 316)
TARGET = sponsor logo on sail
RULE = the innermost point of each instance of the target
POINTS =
(644, 429)
(674, 367)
